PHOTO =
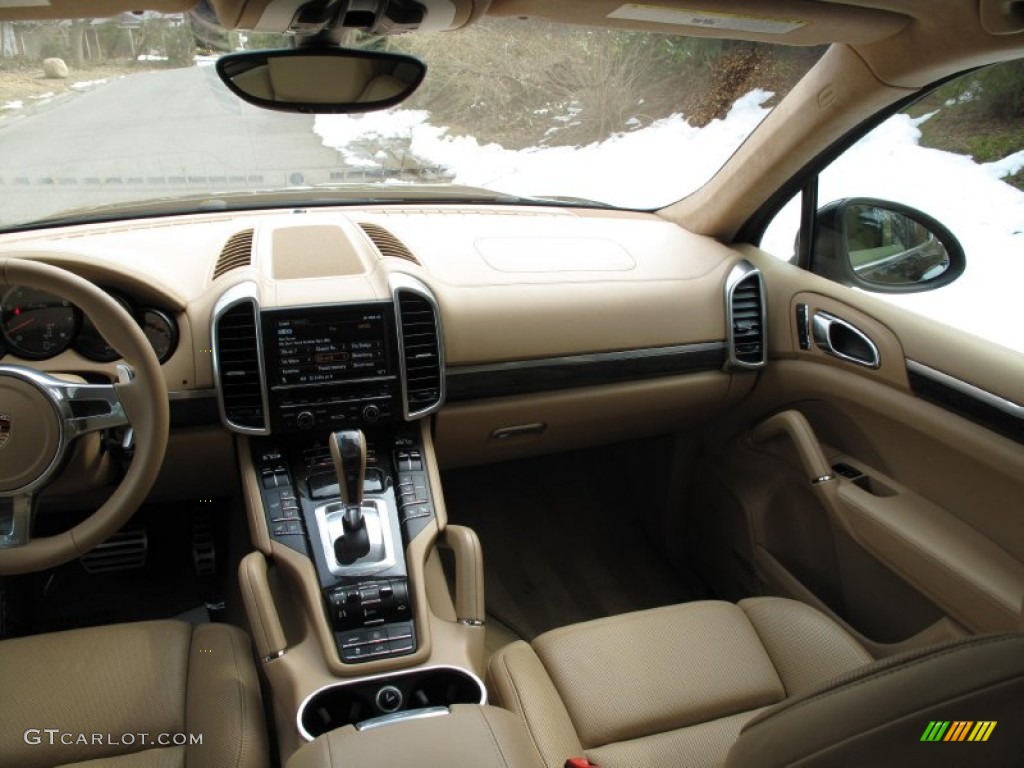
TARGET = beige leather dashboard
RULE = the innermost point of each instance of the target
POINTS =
(512, 283)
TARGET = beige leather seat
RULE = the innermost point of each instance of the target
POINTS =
(670, 686)
(109, 696)
(675, 686)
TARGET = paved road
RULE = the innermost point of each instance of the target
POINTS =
(152, 134)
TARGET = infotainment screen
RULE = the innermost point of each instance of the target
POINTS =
(326, 345)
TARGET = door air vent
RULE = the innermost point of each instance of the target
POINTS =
(237, 356)
(422, 346)
(237, 252)
(387, 243)
(745, 310)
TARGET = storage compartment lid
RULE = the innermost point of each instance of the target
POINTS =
(469, 736)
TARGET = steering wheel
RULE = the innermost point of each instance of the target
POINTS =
(41, 416)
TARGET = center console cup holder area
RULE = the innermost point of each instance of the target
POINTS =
(357, 701)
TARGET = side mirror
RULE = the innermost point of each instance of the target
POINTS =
(321, 79)
(884, 247)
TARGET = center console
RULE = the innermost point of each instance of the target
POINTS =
(367, 601)
(351, 612)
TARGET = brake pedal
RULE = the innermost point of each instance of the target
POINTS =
(126, 550)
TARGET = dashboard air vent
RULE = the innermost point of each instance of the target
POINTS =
(422, 348)
(746, 314)
(387, 243)
(237, 252)
(239, 377)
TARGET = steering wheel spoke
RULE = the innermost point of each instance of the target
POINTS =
(89, 407)
(16, 515)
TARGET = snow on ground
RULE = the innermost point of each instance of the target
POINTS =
(12, 105)
(668, 159)
(1008, 166)
(84, 85)
(662, 162)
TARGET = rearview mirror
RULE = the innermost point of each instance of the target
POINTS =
(322, 79)
(884, 247)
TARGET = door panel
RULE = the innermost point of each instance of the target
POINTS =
(926, 534)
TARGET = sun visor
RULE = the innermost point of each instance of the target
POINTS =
(787, 22)
(376, 16)
(18, 10)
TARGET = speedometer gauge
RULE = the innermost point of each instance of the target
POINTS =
(91, 344)
(36, 324)
(161, 332)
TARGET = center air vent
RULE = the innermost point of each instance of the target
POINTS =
(745, 309)
(422, 349)
(240, 382)
(387, 243)
(237, 252)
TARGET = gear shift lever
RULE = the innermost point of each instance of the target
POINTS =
(348, 450)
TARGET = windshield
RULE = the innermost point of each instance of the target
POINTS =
(134, 112)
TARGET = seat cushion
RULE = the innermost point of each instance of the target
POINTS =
(671, 685)
(128, 694)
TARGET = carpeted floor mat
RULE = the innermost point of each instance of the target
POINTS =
(561, 538)
(167, 585)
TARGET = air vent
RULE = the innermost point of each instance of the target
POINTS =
(387, 243)
(422, 348)
(746, 313)
(237, 252)
(240, 382)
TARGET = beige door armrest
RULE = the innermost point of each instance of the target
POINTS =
(794, 425)
(962, 571)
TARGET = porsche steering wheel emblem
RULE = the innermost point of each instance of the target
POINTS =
(5, 430)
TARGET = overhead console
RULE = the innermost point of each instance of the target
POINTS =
(379, 17)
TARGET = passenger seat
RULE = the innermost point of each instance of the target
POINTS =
(675, 686)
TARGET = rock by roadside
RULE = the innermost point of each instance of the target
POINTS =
(55, 69)
(31, 85)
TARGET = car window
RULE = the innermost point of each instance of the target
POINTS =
(130, 111)
(958, 156)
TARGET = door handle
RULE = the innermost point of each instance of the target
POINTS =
(843, 340)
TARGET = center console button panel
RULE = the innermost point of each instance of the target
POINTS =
(371, 615)
(280, 502)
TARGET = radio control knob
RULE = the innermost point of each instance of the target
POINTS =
(305, 420)
(371, 413)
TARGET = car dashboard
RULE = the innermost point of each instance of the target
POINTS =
(514, 304)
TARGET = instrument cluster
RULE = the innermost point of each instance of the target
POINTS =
(37, 325)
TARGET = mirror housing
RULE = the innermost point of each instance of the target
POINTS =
(321, 79)
(884, 247)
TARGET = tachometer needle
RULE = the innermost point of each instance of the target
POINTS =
(21, 325)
